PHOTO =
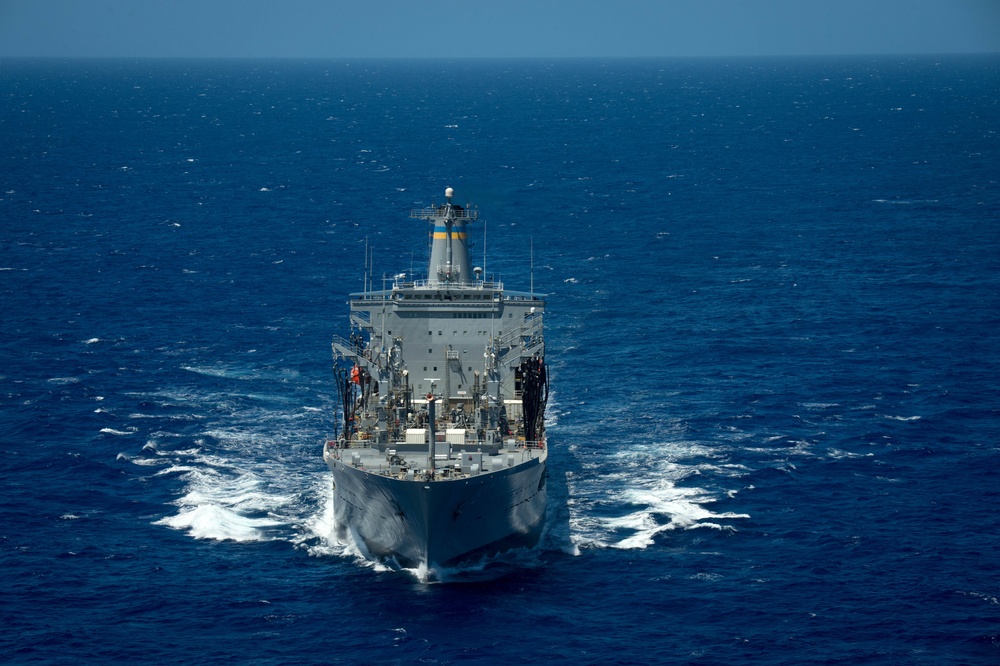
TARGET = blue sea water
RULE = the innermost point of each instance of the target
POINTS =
(774, 297)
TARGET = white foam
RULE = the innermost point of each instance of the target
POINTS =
(178, 469)
(222, 506)
(211, 372)
(317, 534)
(243, 372)
(321, 523)
(838, 454)
(149, 447)
(629, 497)
(242, 481)
(219, 523)
(988, 598)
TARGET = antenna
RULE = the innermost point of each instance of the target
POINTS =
(369, 265)
(430, 243)
(532, 264)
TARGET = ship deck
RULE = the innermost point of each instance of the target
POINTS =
(404, 462)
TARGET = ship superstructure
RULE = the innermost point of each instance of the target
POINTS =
(441, 454)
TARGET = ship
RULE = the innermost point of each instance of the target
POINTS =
(439, 455)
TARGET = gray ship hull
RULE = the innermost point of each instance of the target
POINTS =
(441, 523)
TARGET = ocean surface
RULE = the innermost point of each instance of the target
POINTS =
(773, 330)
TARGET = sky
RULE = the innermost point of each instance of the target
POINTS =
(494, 28)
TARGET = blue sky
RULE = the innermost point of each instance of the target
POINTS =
(494, 28)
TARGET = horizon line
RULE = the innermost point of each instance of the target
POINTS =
(900, 54)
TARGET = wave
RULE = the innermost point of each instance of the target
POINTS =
(225, 503)
(141, 462)
(219, 523)
(239, 469)
(112, 431)
(242, 372)
(64, 380)
(837, 454)
(627, 498)
(217, 372)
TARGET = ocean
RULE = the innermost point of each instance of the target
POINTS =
(772, 331)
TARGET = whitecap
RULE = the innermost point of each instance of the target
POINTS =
(143, 462)
(627, 498)
(179, 469)
(988, 598)
(219, 523)
(706, 576)
(838, 454)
